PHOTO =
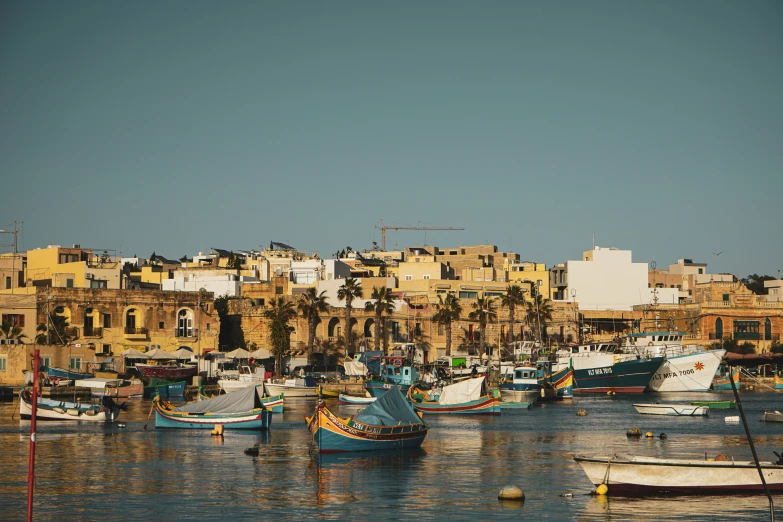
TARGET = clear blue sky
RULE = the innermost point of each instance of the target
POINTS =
(177, 126)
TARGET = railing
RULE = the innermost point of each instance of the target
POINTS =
(135, 330)
(71, 332)
(92, 332)
(186, 333)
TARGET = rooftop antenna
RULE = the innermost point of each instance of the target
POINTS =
(593, 240)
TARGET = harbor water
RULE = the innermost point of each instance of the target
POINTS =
(105, 472)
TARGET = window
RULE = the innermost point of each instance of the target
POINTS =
(8, 282)
(107, 320)
(46, 361)
(278, 290)
(75, 363)
(207, 326)
(417, 330)
(408, 277)
(468, 295)
(441, 329)
(14, 320)
(725, 297)
(746, 330)
(161, 325)
(426, 276)
(701, 270)
(3, 364)
(98, 284)
(69, 283)
(107, 348)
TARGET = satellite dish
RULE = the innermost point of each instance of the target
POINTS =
(278, 271)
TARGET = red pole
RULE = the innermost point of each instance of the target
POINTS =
(31, 468)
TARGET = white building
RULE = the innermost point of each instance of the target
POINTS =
(216, 281)
(608, 279)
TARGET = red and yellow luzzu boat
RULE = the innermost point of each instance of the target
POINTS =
(388, 423)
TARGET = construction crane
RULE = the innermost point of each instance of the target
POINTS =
(384, 227)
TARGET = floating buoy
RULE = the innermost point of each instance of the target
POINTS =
(649, 435)
(581, 413)
(662, 436)
(120, 425)
(511, 493)
(218, 431)
(567, 495)
(610, 392)
(253, 452)
(634, 432)
(602, 489)
(751, 387)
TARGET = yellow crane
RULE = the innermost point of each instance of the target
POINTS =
(384, 227)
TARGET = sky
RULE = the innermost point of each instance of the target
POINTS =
(179, 126)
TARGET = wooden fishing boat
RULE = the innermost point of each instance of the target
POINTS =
(394, 371)
(716, 405)
(721, 379)
(682, 410)
(123, 389)
(306, 387)
(275, 404)
(778, 381)
(233, 380)
(772, 416)
(170, 372)
(165, 389)
(352, 399)
(461, 398)
(328, 394)
(49, 409)
(634, 475)
(63, 373)
(521, 386)
(388, 423)
(239, 410)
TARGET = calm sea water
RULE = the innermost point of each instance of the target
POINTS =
(98, 472)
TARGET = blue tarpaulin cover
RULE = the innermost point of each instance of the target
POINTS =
(390, 409)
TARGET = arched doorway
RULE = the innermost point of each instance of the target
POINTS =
(334, 329)
(719, 329)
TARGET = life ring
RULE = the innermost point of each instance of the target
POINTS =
(398, 362)
(251, 360)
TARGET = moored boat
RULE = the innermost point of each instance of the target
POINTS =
(722, 380)
(601, 368)
(683, 410)
(685, 368)
(388, 423)
(239, 410)
(635, 475)
(64, 373)
(296, 388)
(521, 386)
(165, 389)
(464, 397)
(352, 399)
(395, 371)
(716, 405)
(123, 389)
(556, 380)
(772, 416)
(243, 377)
(49, 409)
(170, 372)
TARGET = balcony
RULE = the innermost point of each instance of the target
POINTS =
(71, 332)
(186, 333)
(93, 332)
(135, 332)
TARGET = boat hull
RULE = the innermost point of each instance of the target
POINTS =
(557, 386)
(689, 372)
(290, 391)
(65, 374)
(630, 376)
(486, 405)
(170, 373)
(50, 410)
(678, 410)
(778, 382)
(378, 388)
(722, 382)
(717, 405)
(122, 392)
(350, 399)
(335, 435)
(258, 419)
(640, 476)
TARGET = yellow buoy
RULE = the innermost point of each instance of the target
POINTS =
(602, 489)
(511, 493)
(581, 413)
(649, 435)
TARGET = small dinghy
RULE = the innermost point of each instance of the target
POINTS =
(682, 410)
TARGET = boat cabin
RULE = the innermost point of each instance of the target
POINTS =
(593, 348)
(396, 370)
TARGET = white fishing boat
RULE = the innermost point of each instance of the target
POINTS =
(683, 410)
(772, 416)
(306, 387)
(49, 409)
(638, 475)
(353, 399)
(232, 380)
(684, 368)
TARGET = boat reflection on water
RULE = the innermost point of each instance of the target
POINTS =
(607, 507)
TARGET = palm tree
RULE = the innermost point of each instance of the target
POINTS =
(383, 305)
(279, 329)
(11, 332)
(351, 289)
(311, 304)
(514, 297)
(40, 335)
(539, 312)
(448, 312)
(484, 312)
(57, 332)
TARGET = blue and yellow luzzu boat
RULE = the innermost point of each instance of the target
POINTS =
(721, 380)
(238, 410)
(388, 423)
(465, 397)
